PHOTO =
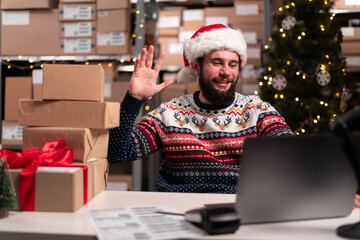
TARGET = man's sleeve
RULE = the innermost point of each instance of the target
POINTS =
(270, 122)
(123, 145)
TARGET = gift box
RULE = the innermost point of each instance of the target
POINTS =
(77, 114)
(87, 144)
(57, 189)
(98, 171)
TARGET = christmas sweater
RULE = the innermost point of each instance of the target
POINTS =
(202, 144)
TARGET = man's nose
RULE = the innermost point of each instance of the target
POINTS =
(224, 71)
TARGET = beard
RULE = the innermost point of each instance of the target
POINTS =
(215, 96)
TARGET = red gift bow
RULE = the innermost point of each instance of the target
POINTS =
(52, 154)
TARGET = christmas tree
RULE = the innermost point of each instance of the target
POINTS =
(7, 191)
(305, 76)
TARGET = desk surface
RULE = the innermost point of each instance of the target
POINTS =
(50, 226)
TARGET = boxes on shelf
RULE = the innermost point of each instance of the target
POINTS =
(57, 189)
(16, 88)
(112, 4)
(29, 4)
(351, 33)
(78, 29)
(37, 79)
(253, 52)
(78, 114)
(78, 46)
(87, 144)
(253, 32)
(112, 43)
(76, 1)
(347, 4)
(110, 69)
(169, 22)
(248, 11)
(77, 11)
(352, 62)
(116, 20)
(73, 82)
(30, 32)
(193, 19)
(174, 90)
(350, 48)
(173, 50)
(192, 87)
(120, 182)
(12, 133)
(223, 15)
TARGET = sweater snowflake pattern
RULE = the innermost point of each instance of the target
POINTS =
(202, 144)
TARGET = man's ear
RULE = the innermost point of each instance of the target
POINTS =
(195, 67)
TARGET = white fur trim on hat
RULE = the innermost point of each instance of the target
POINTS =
(207, 41)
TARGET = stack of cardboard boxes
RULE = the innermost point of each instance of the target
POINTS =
(71, 109)
(67, 27)
(351, 36)
(178, 24)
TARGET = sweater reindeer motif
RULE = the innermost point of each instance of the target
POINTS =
(202, 144)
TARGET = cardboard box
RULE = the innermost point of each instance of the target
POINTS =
(169, 22)
(57, 189)
(78, 46)
(73, 82)
(248, 11)
(87, 144)
(117, 20)
(30, 32)
(76, 1)
(77, 12)
(352, 62)
(351, 33)
(254, 54)
(16, 88)
(350, 48)
(347, 4)
(112, 43)
(78, 114)
(253, 32)
(12, 133)
(28, 4)
(78, 29)
(173, 50)
(173, 91)
(192, 87)
(110, 70)
(193, 19)
(223, 15)
(120, 182)
(118, 91)
(112, 4)
(97, 176)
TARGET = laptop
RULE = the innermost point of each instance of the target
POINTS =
(294, 178)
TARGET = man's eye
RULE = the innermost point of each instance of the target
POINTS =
(235, 65)
(216, 63)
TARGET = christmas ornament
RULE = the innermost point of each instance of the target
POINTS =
(279, 82)
(288, 22)
(323, 78)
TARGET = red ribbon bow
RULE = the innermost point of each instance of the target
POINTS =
(52, 154)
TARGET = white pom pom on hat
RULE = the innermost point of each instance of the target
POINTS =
(207, 39)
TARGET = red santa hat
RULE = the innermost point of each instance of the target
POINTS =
(207, 39)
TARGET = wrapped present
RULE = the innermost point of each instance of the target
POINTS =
(50, 181)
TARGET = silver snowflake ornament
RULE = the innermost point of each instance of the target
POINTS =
(323, 78)
(288, 22)
(279, 82)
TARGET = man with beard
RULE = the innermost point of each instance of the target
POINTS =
(201, 134)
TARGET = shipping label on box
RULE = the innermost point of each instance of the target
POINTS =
(347, 4)
(111, 39)
(87, 144)
(78, 29)
(352, 61)
(11, 133)
(16, 17)
(73, 82)
(248, 11)
(83, 114)
(57, 189)
(76, 12)
(78, 46)
(112, 4)
(117, 20)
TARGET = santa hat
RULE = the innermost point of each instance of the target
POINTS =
(207, 39)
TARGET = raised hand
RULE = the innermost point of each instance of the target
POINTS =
(143, 80)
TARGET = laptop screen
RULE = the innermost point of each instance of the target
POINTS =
(294, 178)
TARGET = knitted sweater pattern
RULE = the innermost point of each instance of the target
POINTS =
(202, 147)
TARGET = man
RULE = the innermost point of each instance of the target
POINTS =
(201, 134)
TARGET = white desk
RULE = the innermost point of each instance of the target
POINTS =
(50, 226)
